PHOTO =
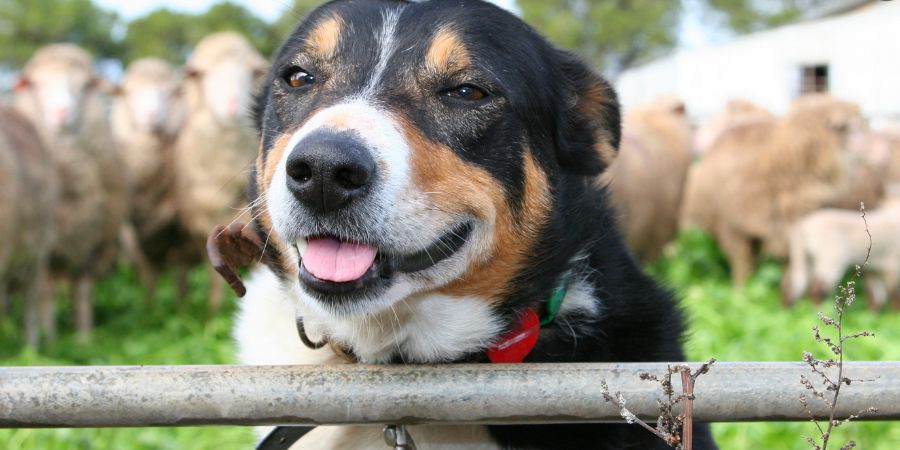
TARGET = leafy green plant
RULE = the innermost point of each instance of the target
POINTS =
(751, 325)
(130, 331)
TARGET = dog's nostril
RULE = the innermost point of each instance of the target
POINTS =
(352, 178)
(300, 172)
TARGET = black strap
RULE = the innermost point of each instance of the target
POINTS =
(282, 438)
(301, 331)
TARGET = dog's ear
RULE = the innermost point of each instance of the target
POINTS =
(590, 127)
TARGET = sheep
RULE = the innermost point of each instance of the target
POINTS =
(761, 177)
(60, 93)
(892, 138)
(737, 112)
(743, 121)
(216, 146)
(824, 244)
(646, 178)
(868, 171)
(879, 152)
(147, 113)
(29, 192)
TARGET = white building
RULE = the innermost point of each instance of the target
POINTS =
(851, 50)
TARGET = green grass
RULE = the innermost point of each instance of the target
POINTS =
(130, 331)
(749, 325)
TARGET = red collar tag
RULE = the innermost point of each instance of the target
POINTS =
(515, 345)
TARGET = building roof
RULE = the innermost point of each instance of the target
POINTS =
(833, 8)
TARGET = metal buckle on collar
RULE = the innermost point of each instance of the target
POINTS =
(398, 438)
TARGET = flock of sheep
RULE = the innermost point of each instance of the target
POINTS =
(786, 187)
(89, 171)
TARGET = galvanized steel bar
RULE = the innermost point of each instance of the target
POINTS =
(343, 394)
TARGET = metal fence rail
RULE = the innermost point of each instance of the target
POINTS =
(527, 393)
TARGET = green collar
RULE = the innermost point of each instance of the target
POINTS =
(556, 299)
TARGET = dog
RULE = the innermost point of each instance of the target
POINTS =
(426, 187)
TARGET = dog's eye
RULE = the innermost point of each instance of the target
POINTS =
(296, 77)
(465, 92)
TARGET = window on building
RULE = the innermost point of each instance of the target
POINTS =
(814, 79)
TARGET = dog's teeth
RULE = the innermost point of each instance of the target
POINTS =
(301, 247)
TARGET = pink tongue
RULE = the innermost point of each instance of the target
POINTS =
(332, 260)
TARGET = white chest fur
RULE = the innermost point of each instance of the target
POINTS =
(266, 333)
(422, 330)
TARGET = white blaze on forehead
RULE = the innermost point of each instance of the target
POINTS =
(386, 48)
(380, 134)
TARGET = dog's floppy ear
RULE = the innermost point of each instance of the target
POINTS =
(590, 127)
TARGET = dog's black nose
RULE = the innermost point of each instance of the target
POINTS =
(327, 171)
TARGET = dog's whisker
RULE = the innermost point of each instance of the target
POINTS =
(249, 210)
(566, 322)
(243, 210)
(374, 318)
(265, 245)
(244, 170)
(250, 222)
(396, 338)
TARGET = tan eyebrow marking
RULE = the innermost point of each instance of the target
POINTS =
(325, 37)
(447, 51)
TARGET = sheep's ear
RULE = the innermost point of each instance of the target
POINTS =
(100, 84)
(21, 83)
(259, 75)
(191, 73)
(590, 129)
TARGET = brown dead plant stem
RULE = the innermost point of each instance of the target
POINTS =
(830, 371)
(676, 430)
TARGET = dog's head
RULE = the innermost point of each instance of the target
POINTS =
(411, 148)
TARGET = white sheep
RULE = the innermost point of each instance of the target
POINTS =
(737, 112)
(147, 114)
(217, 145)
(646, 180)
(824, 244)
(760, 177)
(60, 92)
(29, 192)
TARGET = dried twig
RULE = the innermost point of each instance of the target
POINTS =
(687, 385)
(842, 301)
(674, 430)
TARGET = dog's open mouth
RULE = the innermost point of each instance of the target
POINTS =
(331, 266)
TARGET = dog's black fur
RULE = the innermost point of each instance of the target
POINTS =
(541, 100)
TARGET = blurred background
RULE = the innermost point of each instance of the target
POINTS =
(753, 130)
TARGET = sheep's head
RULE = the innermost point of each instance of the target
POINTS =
(149, 94)
(839, 116)
(222, 75)
(54, 85)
